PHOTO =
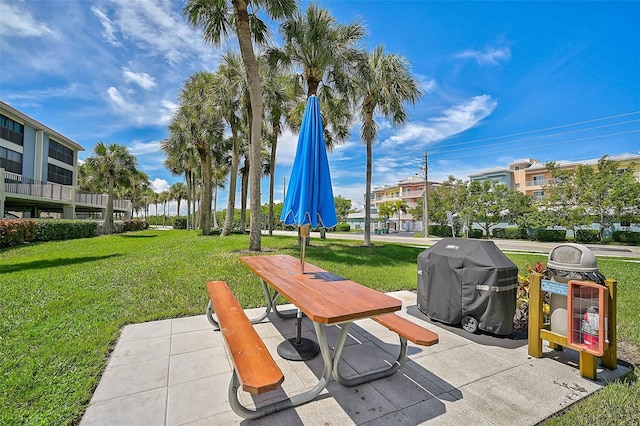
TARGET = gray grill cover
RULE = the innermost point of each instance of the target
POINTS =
(460, 277)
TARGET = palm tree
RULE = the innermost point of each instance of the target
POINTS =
(383, 87)
(178, 192)
(139, 184)
(198, 123)
(216, 19)
(324, 53)
(385, 211)
(279, 99)
(113, 165)
(399, 207)
(229, 91)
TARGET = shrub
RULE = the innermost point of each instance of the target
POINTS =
(49, 230)
(135, 225)
(510, 233)
(551, 235)
(16, 231)
(440, 230)
(626, 237)
(180, 223)
(343, 227)
(586, 236)
(476, 233)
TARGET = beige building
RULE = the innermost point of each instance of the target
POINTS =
(39, 172)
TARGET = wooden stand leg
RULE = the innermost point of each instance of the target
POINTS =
(535, 315)
(610, 357)
(588, 364)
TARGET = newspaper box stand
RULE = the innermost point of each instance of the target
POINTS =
(587, 308)
(590, 342)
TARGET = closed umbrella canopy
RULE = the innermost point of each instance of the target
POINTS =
(308, 202)
(309, 198)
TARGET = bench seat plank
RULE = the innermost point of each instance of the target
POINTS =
(254, 365)
(408, 329)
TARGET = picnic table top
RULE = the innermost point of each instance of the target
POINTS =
(323, 296)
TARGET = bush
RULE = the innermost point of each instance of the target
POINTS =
(180, 223)
(49, 230)
(17, 231)
(476, 233)
(626, 237)
(551, 235)
(135, 225)
(510, 233)
(586, 236)
(343, 227)
(440, 230)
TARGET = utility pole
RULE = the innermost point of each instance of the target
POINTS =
(425, 213)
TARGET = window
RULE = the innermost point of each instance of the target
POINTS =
(538, 194)
(11, 130)
(516, 168)
(60, 152)
(59, 175)
(10, 160)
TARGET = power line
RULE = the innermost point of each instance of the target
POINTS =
(546, 129)
(539, 137)
(547, 144)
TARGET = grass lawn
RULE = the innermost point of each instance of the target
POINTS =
(63, 304)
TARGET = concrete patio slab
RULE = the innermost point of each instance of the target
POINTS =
(176, 372)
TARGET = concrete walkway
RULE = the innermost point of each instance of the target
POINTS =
(176, 372)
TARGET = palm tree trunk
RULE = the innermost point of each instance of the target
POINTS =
(205, 204)
(233, 178)
(243, 195)
(108, 220)
(367, 196)
(215, 206)
(243, 33)
(272, 180)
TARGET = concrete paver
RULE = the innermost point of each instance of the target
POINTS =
(176, 372)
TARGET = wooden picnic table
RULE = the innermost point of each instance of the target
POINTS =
(326, 299)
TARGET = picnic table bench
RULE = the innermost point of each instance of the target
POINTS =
(326, 299)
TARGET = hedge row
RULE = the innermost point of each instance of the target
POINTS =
(551, 235)
(19, 231)
(440, 230)
(587, 236)
(627, 237)
(510, 233)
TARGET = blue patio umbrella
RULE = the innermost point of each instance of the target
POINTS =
(308, 202)
(309, 197)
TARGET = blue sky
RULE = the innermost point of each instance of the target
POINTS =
(503, 81)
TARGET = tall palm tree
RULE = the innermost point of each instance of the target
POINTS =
(113, 165)
(178, 192)
(229, 91)
(384, 87)
(324, 54)
(200, 125)
(139, 184)
(217, 19)
(279, 98)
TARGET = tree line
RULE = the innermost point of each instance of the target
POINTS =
(573, 198)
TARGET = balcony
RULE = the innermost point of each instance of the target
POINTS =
(538, 182)
(21, 187)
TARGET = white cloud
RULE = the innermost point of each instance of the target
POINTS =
(107, 25)
(142, 148)
(489, 56)
(142, 79)
(153, 26)
(143, 113)
(159, 185)
(18, 22)
(454, 120)
(287, 145)
(116, 98)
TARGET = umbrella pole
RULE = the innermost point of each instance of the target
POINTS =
(304, 233)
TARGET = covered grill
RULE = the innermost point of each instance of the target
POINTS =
(468, 282)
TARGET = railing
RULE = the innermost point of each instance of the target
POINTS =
(18, 184)
(418, 193)
(538, 182)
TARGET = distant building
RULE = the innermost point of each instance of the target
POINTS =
(529, 176)
(39, 172)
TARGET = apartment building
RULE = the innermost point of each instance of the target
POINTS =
(529, 176)
(39, 172)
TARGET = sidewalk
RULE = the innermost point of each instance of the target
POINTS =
(176, 372)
